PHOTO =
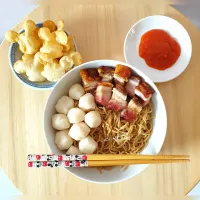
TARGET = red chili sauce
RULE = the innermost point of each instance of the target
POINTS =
(159, 49)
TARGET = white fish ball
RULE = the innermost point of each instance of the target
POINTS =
(79, 131)
(76, 115)
(93, 119)
(60, 122)
(88, 145)
(76, 91)
(63, 140)
(87, 102)
(64, 104)
(73, 151)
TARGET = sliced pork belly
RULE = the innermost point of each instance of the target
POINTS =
(116, 105)
(119, 92)
(136, 104)
(118, 101)
(103, 93)
(144, 91)
(132, 83)
(122, 74)
(106, 73)
(90, 78)
(129, 115)
(134, 107)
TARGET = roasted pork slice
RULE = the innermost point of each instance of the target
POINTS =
(116, 105)
(136, 104)
(119, 92)
(103, 93)
(106, 73)
(129, 115)
(144, 91)
(90, 78)
(122, 74)
(118, 101)
(134, 107)
(131, 84)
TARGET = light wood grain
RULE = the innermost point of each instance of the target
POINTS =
(99, 31)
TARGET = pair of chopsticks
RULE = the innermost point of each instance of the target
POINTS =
(96, 160)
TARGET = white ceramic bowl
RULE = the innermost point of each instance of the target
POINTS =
(154, 145)
(175, 29)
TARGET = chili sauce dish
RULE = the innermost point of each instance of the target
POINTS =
(159, 46)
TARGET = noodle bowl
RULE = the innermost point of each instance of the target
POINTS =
(145, 136)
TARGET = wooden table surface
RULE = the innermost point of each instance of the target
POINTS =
(99, 31)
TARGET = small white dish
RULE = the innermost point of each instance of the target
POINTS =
(116, 174)
(175, 29)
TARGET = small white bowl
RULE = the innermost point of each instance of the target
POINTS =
(15, 54)
(175, 29)
(91, 174)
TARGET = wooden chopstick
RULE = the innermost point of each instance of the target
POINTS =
(96, 163)
(134, 157)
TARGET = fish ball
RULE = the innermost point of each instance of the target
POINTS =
(63, 140)
(76, 91)
(60, 122)
(87, 103)
(64, 104)
(76, 115)
(73, 151)
(93, 119)
(88, 145)
(79, 131)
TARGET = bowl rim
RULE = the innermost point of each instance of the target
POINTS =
(20, 77)
(169, 18)
(143, 76)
